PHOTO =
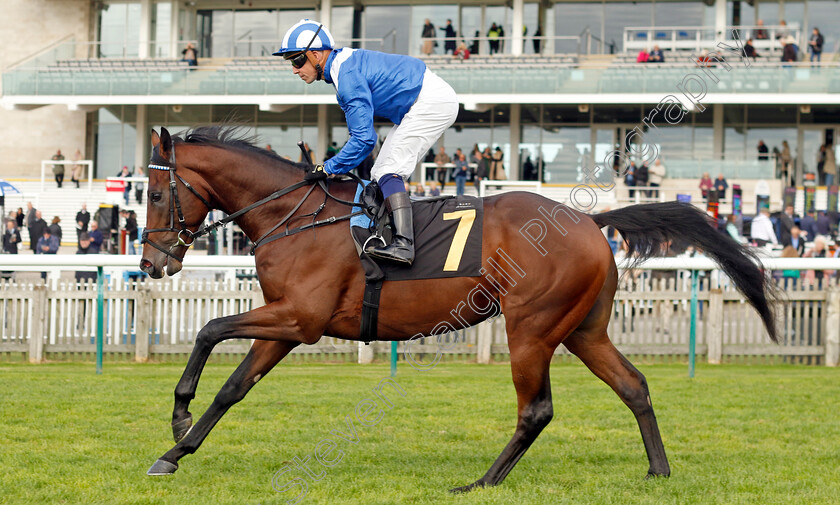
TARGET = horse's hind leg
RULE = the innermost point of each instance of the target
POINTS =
(593, 347)
(260, 360)
(529, 365)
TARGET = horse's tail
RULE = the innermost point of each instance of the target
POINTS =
(647, 227)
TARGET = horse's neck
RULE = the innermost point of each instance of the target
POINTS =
(236, 181)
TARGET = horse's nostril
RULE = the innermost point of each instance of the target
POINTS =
(145, 263)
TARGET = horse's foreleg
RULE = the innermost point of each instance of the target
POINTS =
(529, 365)
(260, 359)
(603, 359)
(264, 322)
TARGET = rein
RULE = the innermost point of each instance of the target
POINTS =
(175, 207)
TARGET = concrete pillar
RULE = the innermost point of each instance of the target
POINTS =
(717, 123)
(720, 19)
(146, 7)
(515, 139)
(323, 133)
(325, 16)
(175, 30)
(141, 137)
(516, 28)
(548, 28)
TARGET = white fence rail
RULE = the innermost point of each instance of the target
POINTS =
(155, 319)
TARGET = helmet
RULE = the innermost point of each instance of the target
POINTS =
(305, 34)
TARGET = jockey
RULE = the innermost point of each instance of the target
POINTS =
(369, 83)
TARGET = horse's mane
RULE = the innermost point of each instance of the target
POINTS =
(227, 135)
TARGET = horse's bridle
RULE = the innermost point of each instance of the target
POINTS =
(175, 206)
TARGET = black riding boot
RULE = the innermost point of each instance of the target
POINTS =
(401, 248)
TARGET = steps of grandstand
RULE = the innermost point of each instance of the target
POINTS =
(65, 202)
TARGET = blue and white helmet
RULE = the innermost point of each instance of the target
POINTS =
(303, 35)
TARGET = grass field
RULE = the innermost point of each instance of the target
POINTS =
(735, 434)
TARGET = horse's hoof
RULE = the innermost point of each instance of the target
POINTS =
(466, 489)
(162, 467)
(654, 475)
(182, 427)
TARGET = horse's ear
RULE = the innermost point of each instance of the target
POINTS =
(165, 143)
(155, 139)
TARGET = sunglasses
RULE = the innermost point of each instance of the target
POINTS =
(298, 60)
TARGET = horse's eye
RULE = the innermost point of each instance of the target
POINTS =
(155, 197)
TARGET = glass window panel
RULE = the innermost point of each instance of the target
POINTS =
(341, 25)
(795, 13)
(821, 115)
(733, 114)
(118, 32)
(734, 147)
(703, 143)
(108, 149)
(768, 12)
(564, 150)
(565, 114)
(255, 33)
(465, 138)
(129, 137)
(570, 19)
(162, 30)
(531, 22)
(287, 18)
(110, 114)
(620, 15)
(618, 114)
(471, 27)
(747, 14)
(221, 35)
(381, 20)
(502, 16)
(772, 137)
(671, 141)
(757, 114)
(679, 13)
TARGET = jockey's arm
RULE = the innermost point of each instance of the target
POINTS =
(358, 111)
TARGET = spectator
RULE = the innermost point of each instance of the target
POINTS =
(643, 56)
(441, 160)
(760, 32)
(789, 275)
(721, 186)
(449, 33)
(808, 225)
(47, 244)
(434, 190)
(732, 229)
(476, 43)
(762, 230)
(643, 177)
(815, 45)
(19, 217)
(96, 237)
(58, 168)
(497, 166)
(428, 37)
(788, 222)
(704, 60)
(11, 238)
(789, 51)
(461, 168)
(85, 247)
(763, 151)
(786, 161)
(462, 52)
(782, 33)
(269, 149)
(131, 230)
(749, 50)
(797, 241)
(430, 156)
(537, 41)
(127, 188)
(630, 179)
(76, 171)
(656, 56)
(823, 224)
(493, 35)
(657, 175)
(55, 229)
(139, 186)
(190, 55)
(830, 165)
(82, 220)
(332, 150)
(419, 190)
(36, 230)
(818, 251)
(482, 168)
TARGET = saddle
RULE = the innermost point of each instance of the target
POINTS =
(440, 251)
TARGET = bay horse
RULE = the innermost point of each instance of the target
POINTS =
(313, 282)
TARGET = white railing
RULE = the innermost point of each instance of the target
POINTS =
(698, 38)
(86, 163)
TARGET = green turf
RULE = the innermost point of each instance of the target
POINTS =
(735, 434)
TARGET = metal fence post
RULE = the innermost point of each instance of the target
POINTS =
(832, 327)
(38, 328)
(714, 328)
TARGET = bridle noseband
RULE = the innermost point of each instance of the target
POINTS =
(175, 206)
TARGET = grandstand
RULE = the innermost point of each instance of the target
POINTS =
(98, 75)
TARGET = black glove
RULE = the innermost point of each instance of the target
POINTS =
(316, 174)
